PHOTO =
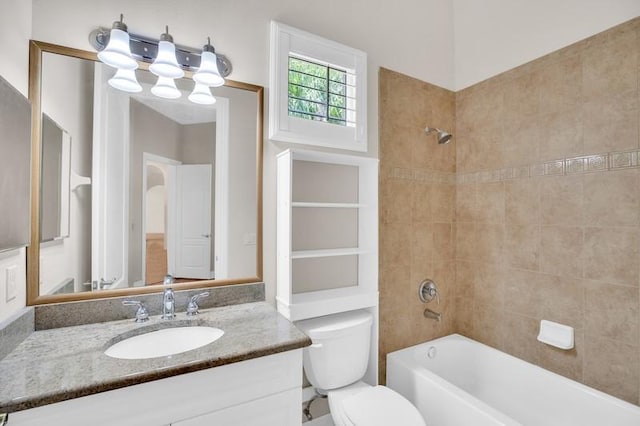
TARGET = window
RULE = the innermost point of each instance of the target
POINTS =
(321, 92)
(318, 91)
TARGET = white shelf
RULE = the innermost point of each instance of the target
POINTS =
(318, 303)
(327, 205)
(307, 254)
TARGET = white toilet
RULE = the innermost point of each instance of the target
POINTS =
(335, 364)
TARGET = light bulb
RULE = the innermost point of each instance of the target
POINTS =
(208, 72)
(166, 64)
(202, 95)
(126, 81)
(117, 54)
(166, 88)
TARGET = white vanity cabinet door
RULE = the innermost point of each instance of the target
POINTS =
(274, 410)
(226, 395)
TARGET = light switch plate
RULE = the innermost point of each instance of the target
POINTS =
(11, 284)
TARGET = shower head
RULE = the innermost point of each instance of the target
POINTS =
(443, 137)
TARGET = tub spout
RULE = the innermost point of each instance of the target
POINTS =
(428, 313)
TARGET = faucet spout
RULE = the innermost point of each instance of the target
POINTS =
(168, 304)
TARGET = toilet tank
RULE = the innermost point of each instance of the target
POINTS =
(339, 354)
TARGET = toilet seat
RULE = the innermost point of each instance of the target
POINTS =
(364, 405)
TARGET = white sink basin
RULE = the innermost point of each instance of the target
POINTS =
(168, 341)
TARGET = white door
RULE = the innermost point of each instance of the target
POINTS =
(189, 224)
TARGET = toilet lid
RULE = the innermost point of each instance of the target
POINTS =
(381, 406)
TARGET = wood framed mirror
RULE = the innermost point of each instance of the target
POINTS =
(148, 187)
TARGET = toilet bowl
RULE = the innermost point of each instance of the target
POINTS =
(361, 404)
(335, 365)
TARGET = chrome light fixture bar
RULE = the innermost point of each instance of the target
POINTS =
(145, 49)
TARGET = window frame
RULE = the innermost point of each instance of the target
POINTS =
(286, 41)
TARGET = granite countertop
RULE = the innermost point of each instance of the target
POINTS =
(65, 363)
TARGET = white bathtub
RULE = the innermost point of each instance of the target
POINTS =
(456, 381)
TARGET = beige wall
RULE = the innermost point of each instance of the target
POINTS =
(417, 196)
(543, 231)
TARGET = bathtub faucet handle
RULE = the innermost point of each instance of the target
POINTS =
(427, 291)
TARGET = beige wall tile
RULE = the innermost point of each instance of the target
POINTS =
(464, 316)
(466, 241)
(612, 199)
(522, 292)
(488, 326)
(489, 243)
(489, 285)
(562, 88)
(522, 201)
(443, 242)
(563, 300)
(396, 201)
(395, 143)
(421, 244)
(466, 205)
(610, 64)
(611, 123)
(567, 363)
(561, 251)
(522, 246)
(421, 198)
(465, 278)
(561, 135)
(612, 367)
(562, 200)
(612, 312)
(611, 255)
(395, 246)
(522, 95)
(490, 204)
(520, 337)
(522, 136)
(442, 202)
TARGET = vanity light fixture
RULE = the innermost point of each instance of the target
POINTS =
(202, 95)
(166, 64)
(208, 73)
(120, 49)
(117, 53)
(126, 81)
(166, 88)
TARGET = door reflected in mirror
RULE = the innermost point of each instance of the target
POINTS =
(155, 187)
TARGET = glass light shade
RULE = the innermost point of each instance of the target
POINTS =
(165, 64)
(208, 72)
(202, 95)
(117, 54)
(166, 88)
(126, 81)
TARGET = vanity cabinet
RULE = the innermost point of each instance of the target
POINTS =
(263, 391)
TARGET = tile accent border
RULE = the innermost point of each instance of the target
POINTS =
(613, 161)
(423, 175)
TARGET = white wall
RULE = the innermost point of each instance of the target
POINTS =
(15, 31)
(493, 36)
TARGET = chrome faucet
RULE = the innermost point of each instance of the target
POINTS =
(168, 304)
(192, 306)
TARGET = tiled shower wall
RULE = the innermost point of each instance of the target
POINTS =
(548, 209)
(417, 201)
(544, 213)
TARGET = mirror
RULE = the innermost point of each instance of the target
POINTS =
(133, 188)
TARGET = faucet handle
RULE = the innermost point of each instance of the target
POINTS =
(142, 314)
(427, 291)
(192, 306)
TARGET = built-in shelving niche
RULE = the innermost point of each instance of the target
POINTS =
(327, 233)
